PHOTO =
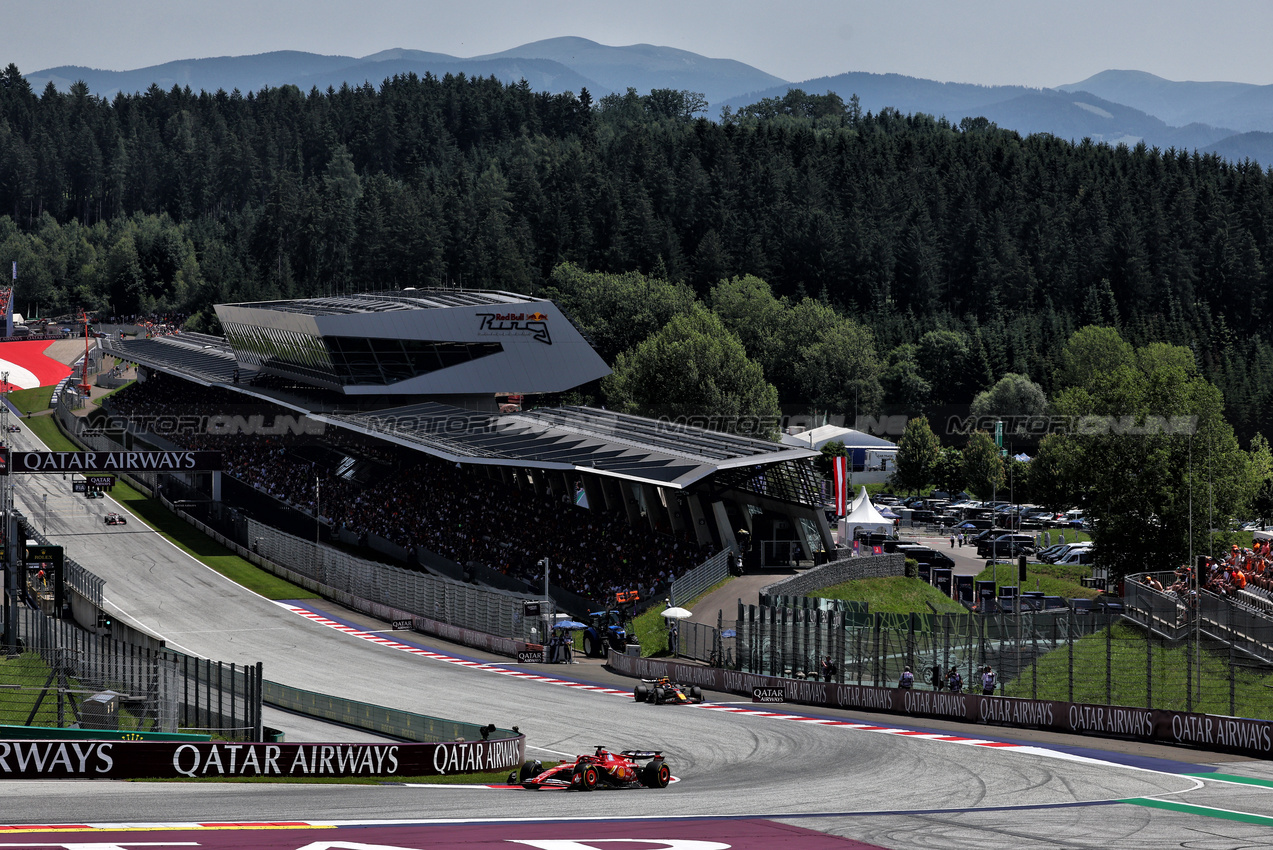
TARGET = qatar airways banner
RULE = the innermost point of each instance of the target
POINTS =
(214, 759)
(113, 462)
(1208, 731)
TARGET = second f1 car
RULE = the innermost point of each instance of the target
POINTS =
(602, 769)
(115, 519)
(659, 691)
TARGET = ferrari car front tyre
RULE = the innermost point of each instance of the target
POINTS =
(656, 775)
(530, 769)
(588, 778)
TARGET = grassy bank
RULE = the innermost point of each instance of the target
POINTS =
(651, 629)
(1128, 671)
(1052, 579)
(892, 595)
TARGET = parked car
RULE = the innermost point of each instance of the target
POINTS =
(1066, 550)
(927, 555)
(1006, 545)
(1078, 557)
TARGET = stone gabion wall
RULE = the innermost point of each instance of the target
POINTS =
(836, 572)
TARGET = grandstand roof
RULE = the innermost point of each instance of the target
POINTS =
(581, 438)
(385, 302)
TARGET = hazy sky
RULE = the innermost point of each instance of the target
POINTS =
(1026, 42)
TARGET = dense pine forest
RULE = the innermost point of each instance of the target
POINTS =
(966, 236)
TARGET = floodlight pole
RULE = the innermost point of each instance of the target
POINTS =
(317, 508)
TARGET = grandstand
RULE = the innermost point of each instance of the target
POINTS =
(416, 374)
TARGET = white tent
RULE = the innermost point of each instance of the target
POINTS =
(865, 518)
(857, 500)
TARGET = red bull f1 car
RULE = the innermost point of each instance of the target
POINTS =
(659, 691)
(602, 769)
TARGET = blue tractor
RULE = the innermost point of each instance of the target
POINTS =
(609, 629)
(605, 630)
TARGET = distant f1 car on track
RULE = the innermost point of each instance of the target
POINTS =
(659, 691)
(602, 769)
(115, 519)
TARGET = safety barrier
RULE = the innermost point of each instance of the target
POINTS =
(374, 718)
(1249, 737)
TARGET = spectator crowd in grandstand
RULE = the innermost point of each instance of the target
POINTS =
(421, 502)
(1240, 570)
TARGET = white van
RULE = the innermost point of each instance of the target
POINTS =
(1081, 556)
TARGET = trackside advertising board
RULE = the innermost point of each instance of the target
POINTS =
(1208, 731)
(112, 462)
(81, 759)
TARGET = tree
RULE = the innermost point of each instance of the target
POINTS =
(839, 371)
(1150, 458)
(830, 450)
(917, 453)
(694, 369)
(1090, 354)
(948, 471)
(902, 384)
(944, 359)
(983, 465)
(1013, 395)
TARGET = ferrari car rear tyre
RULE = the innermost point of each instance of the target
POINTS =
(588, 778)
(640, 693)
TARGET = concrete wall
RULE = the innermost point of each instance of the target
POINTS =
(837, 572)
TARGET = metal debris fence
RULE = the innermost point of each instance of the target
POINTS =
(699, 579)
(1070, 654)
(68, 677)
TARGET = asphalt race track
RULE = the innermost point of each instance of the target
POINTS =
(783, 776)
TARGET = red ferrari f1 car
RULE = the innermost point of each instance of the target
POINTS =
(659, 691)
(602, 769)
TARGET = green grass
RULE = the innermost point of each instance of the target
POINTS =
(1052, 579)
(33, 400)
(892, 595)
(45, 428)
(651, 629)
(24, 678)
(1130, 671)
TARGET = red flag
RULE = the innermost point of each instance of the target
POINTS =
(840, 481)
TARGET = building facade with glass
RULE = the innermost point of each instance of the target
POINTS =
(414, 342)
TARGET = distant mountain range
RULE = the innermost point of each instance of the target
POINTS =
(1234, 120)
